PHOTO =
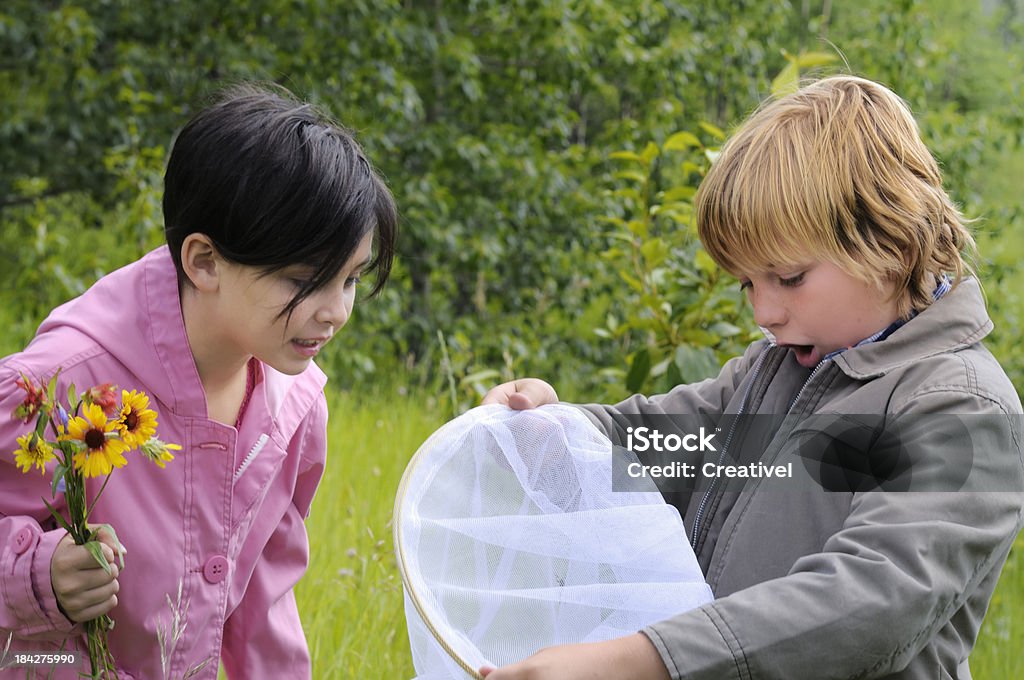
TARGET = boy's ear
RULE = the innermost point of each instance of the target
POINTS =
(199, 261)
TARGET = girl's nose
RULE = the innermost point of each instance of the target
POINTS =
(335, 308)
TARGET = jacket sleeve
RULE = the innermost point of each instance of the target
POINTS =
(901, 567)
(28, 607)
(708, 397)
(263, 637)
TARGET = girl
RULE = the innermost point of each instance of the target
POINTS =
(829, 209)
(272, 214)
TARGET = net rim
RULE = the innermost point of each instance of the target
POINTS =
(410, 589)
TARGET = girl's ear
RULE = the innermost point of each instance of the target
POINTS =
(200, 262)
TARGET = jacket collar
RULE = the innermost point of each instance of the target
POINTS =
(956, 320)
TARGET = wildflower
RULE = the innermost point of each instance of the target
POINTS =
(158, 451)
(34, 401)
(103, 450)
(137, 422)
(33, 451)
(105, 396)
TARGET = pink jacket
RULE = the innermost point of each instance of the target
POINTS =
(224, 519)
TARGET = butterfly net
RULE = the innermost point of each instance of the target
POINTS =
(510, 539)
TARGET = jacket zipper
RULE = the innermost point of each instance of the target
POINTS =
(253, 452)
(817, 369)
(725, 447)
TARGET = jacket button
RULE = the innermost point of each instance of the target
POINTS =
(216, 569)
(23, 540)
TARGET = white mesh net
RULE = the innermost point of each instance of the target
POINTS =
(510, 539)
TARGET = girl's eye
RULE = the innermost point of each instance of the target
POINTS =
(793, 280)
(298, 283)
(745, 285)
(352, 281)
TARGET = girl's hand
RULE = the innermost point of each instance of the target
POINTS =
(629, 658)
(83, 588)
(522, 394)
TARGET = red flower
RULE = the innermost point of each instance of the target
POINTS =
(34, 401)
(104, 396)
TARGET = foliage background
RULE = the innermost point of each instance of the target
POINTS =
(529, 242)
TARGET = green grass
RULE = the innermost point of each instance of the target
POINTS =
(997, 655)
(351, 598)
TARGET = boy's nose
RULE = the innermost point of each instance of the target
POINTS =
(768, 312)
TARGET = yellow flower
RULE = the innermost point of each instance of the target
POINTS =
(137, 422)
(158, 451)
(28, 455)
(102, 453)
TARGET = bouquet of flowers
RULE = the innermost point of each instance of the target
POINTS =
(87, 438)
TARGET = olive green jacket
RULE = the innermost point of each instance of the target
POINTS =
(812, 583)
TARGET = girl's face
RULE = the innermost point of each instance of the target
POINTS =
(817, 308)
(249, 306)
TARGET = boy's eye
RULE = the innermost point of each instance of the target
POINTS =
(792, 281)
(745, 284)
(298, 283)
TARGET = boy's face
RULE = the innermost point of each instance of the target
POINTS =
(252, 303)
(817, 308)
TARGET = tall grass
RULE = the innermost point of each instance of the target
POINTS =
(351, 598)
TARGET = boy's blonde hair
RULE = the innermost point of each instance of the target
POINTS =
(836, 171)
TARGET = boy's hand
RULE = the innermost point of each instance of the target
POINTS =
(632, 657)
(83, 588)
(522, 394)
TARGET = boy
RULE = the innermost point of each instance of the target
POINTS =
(829, 209)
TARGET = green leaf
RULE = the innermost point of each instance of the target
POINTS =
(725, 329)
(704, 262)
(626, 156)
(113, 534)
(698, 337)
(633, 282)
(51, 389)
(479, 376)
(712, 154)
(72, 398)
(634, 175)
(659, 368)
(638, 227)
(672, 376)
(61, 522)
(58, 474)
(682, 141)
(788, 80)
(95, 549)
(712, 130)
(41, 422)
(695, 364)
(638, 370)
(812, 59)
(679, 194)
(649, 153)
(609, 219)
(654, 251)
(690, 168)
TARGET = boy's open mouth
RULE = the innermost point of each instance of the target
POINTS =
(806, 355)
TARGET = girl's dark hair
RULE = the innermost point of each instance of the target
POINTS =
(274, 182)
